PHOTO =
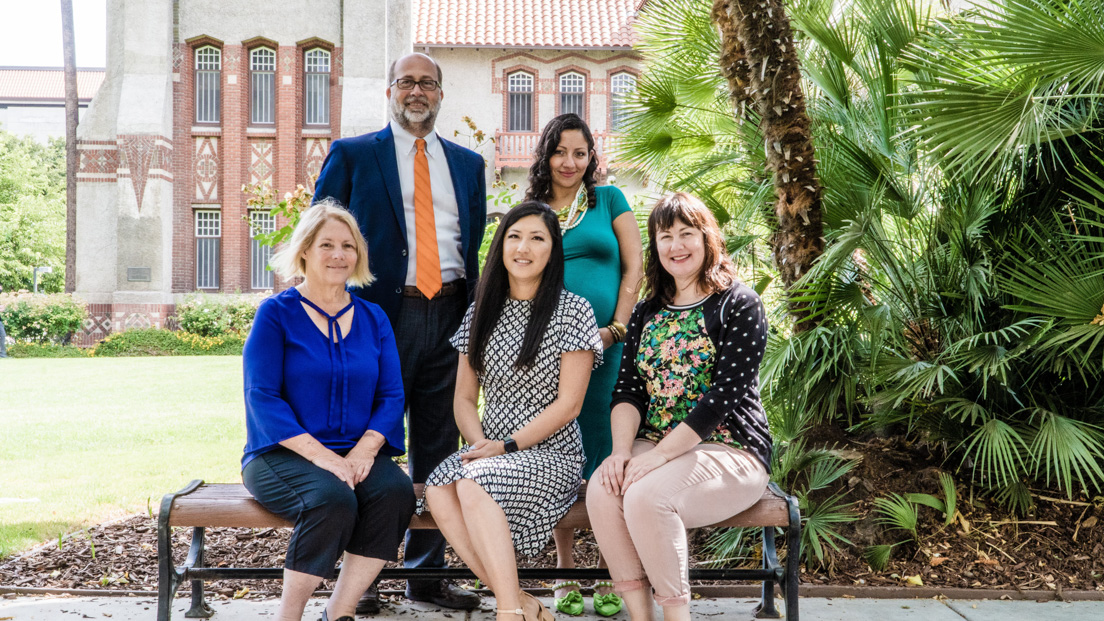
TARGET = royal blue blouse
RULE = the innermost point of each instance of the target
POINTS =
(297, 380)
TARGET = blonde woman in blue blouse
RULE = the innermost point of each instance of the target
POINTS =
(324, 416)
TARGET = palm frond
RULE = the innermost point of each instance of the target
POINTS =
(998, 452)
(896, 511)
(1067, 451)
(819, 531)
(950, 497)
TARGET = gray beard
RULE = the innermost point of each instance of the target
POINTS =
(414, 125)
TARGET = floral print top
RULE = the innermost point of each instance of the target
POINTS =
(676, 359)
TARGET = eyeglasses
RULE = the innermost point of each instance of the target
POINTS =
(407, 84)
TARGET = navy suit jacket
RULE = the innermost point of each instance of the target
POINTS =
(362, 174)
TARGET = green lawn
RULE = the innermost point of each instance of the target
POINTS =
(86, 440)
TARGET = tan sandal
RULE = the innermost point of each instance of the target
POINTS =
(540, 613)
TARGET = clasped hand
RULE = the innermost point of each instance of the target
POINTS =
(351, 469)
(619, 471)
(484, 448)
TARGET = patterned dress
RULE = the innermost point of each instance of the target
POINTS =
(537, 486)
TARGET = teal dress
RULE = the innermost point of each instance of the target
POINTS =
(592, 270)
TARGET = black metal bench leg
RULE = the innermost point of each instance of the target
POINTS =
(199, 609)
(766, 608)
(793, 560)
(168, 578)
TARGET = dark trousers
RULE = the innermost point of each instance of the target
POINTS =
(428, 362)
(330, 518)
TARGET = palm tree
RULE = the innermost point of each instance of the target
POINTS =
(72, 161)
(759, 60)
(959, 296)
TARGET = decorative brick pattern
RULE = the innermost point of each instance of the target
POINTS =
(143, 156)
(106, 319)
(260, 162)
(315, 150)
(225, 156)
(99, 161)
(206, 169)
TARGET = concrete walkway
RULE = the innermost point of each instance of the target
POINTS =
(64, 608)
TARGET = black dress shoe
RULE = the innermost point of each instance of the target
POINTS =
(445, 594)
(369, 603)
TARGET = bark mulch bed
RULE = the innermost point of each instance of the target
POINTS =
(1058, 545)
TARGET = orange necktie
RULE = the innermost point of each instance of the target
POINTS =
(428, 260)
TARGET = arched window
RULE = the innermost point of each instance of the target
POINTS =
(262, 85)
(621, 86)
(573, 94)
(519, 102)
(317, 87)
(208, 84)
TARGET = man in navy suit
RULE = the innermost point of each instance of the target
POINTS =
(388, 180)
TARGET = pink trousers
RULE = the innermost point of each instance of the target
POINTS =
(642, 534)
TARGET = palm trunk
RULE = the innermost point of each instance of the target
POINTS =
(759, 60)
(71, 158)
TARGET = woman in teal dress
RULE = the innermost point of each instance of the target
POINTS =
(602, 263)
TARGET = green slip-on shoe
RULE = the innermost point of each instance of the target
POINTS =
(609, 604)
(572, 603)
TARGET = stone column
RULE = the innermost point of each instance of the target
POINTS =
(370, 45)
(125, 184)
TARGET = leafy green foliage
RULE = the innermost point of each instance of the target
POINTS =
(32, 212)
(897, 511)
(208, 316)
(46, 350)
(157, 342)
(877, 556)
(950, 498)
(960, 297)
(42, 318)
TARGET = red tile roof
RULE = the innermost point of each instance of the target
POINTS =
(46, 84)
(525, 23)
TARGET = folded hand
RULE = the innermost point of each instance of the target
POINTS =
(640, 466)
(483, 448)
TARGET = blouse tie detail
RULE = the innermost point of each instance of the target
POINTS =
(341, 358)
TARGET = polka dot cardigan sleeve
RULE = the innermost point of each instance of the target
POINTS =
(738, 330)
(630, 387)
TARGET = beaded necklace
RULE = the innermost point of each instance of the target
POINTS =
(572, 215)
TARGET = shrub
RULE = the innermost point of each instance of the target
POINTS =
(47, 350)
(42, 318)
(207, 316)
(157, 342)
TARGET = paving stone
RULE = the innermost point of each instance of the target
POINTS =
(1001, 610)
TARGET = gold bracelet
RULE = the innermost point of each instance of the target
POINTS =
(617, 329)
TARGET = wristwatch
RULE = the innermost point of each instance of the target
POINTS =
(510, 445)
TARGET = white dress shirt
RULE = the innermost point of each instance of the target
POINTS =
(446, 213)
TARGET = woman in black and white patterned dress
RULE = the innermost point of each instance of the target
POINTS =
(531, 346)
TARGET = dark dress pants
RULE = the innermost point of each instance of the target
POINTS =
(428, 361)
(330, 518)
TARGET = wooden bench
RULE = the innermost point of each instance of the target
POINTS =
(200, 506)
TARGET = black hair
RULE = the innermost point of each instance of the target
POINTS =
(494, 288)
(540, 173)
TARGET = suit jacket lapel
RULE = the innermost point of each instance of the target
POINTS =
(385, 156)
(457, 172)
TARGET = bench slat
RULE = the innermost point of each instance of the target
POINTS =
(231, 505)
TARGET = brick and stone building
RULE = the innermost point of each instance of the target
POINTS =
(203, 97)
